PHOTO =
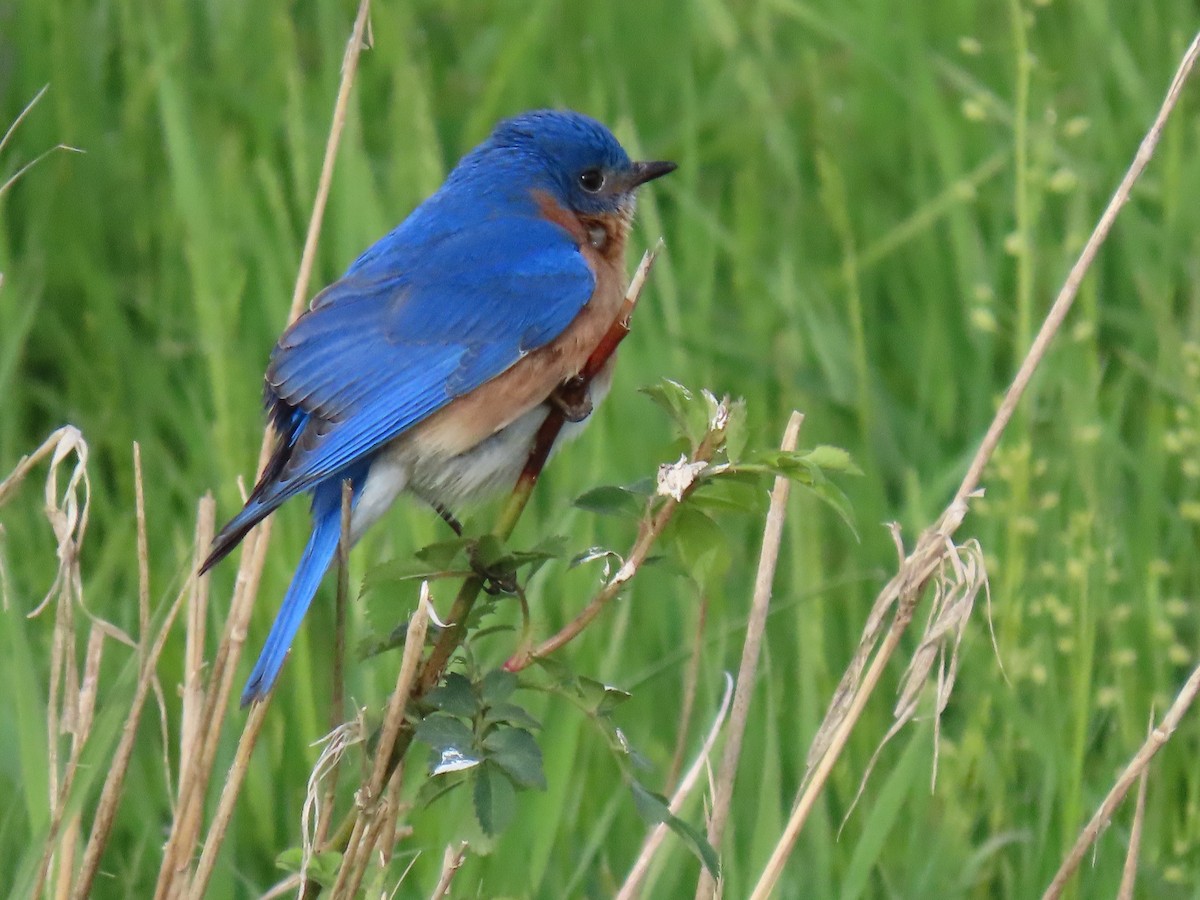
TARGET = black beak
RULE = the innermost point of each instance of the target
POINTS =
(648, 171)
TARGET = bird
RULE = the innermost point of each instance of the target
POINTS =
(428, 367)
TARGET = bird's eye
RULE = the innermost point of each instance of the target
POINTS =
(591, 180)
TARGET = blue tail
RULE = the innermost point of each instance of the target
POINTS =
(322, 544)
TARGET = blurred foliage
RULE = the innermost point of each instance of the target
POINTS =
(874, 206)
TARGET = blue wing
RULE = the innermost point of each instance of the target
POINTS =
(409, 327)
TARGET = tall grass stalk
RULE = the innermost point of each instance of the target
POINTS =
(874, 206)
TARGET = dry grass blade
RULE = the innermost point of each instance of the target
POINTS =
(392, 831)
(372, 804)
(316, 813)
(1132, 772)
(452, 861)
(193, 667)
(143, 556)
(16, 176)
(83, 704)
(903, 590)
(21, 116)
(86, 709)
(957, 583)
(143, 548)
(69, 704)
(229, 795)
(359, 39)
(110, 794)
(68, 517)
(282, 888)
(194, 780)
(756, 626)
(654, 839)
(1129, 871)
(691, 677)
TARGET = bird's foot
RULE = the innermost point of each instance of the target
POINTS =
(494, 582)
(572, 400)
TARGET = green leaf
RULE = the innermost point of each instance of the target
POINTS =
(322, 867)
(612, 500)
(553, 547)
(601, 698)
(561, 677)
(489, 552)
(736, 431)
(689, 412)
(511, 714)
(445, 559)
(516, 751)
(728, 496)
(442, 553)
(832, 459)
(701, 545)
(454, 697)
(495, 799)
(643, 487)
(808, 465)
(396, 571)
(480, 633)
(496, 686)
(790, 464)
(451, 741)
(838, 501)
(433, 789)
(653, 809)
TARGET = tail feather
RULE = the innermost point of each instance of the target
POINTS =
(233, 533)
(313, 564)
(265, 498)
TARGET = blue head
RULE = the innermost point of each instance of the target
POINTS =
(567, 154)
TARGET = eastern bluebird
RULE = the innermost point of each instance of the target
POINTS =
(430, 364)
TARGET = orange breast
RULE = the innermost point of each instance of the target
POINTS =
(496, 404)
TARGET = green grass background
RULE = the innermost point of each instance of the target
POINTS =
(874, 206)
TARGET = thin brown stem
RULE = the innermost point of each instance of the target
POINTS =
(349, 833)
(641, 867)
(194, 782)
(1132, 772)
(691, 678)
(649, 532)
(337, 690)
(193, 681)
(110, 794)
(143, 550)
(756, 627)
(371, 802)
(229, 797)
(358, 41)
(915, 571)
(1129, 871)
(452, 861)
(1070, 287)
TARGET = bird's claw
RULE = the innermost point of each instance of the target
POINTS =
(571, 399)
(494, 583)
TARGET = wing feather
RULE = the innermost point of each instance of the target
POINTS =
(380, 350)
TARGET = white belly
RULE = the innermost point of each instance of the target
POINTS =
(492, 465)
